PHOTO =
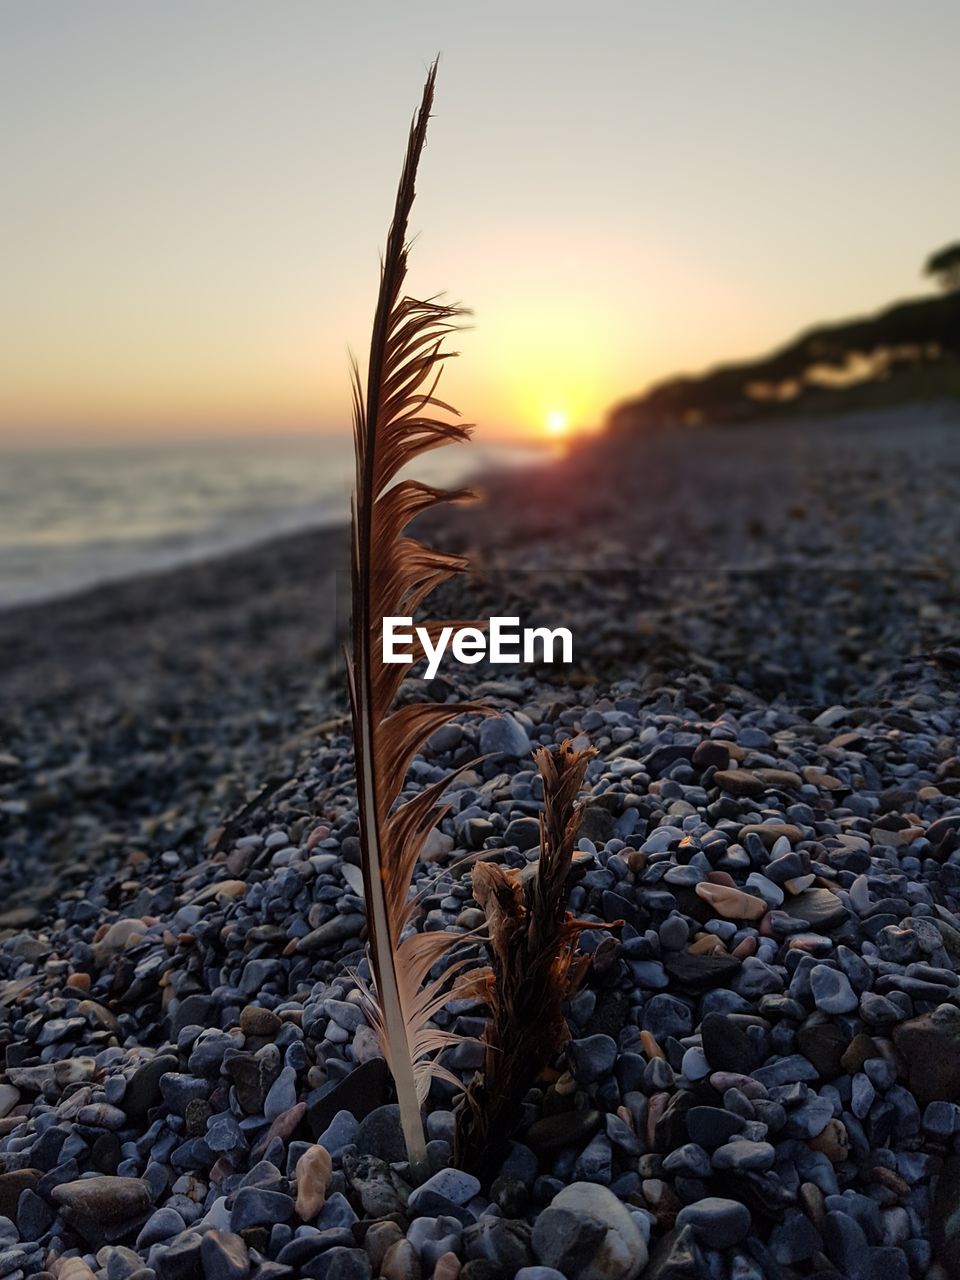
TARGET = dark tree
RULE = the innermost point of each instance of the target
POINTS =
(945, 266)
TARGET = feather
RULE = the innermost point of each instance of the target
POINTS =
(394, 422)
(536, 965)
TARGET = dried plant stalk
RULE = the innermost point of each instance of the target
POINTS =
(536, 965)
(394, 422)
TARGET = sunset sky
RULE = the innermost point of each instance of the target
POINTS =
(196, 191)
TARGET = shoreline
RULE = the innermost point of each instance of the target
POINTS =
(150, 570)
(96, 520)
(159, 563)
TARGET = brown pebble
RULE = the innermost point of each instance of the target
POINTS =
(316, 835)
(852, 739)
(650, 1045)
(221, 1171)
(255, 1021)
(221, 889)
(820, 778)
(707, 944)
(746, 947)
(812, 1203)
(626, 1115)
(770, 832)
(380, 1237)
(860, 1048)
(79, 981)
(655, 1109)
(314, 1171)
(832, 1142)
(255, 1238)
(282, 1127)
(785, 779)
(814, 943)
(732, 904)
(105, 1200)
(401, 1262)
(885, 1177)
(447, 1268)
(739, 782)
(721, 877)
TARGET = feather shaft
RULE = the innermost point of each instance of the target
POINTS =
(392, 575)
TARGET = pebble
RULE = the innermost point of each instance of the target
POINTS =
(452, 1185)
(727, 1046)
(832, 1141)
(831, 990)
(930, 1043)
(717, 1222)
(257, 1207)
(739, 782)
(504, 736)
(103, 1199)
(592, 1057)
(731, 903)
(711, 1126)
(401, 1262)
(262, 1023)
(587, 1230)
(161, 1225)
(313, 1173)
(552, 1133)
(341, 1132)
(224, 1256)
(742, 1154)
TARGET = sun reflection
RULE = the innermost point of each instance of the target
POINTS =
(558, 422)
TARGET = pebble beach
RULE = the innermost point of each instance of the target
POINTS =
(763, 1075)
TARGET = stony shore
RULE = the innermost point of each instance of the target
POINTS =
(763, 1078)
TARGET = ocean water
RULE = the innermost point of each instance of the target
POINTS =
(72, 518)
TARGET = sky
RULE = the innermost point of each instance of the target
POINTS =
(196, 193)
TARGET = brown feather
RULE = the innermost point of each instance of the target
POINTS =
(394, 423)
(536, 966)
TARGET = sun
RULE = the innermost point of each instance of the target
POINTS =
(557, 422)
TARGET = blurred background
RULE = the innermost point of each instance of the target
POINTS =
(711, 254)
(196, 193)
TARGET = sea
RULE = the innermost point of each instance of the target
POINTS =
(72, 518)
